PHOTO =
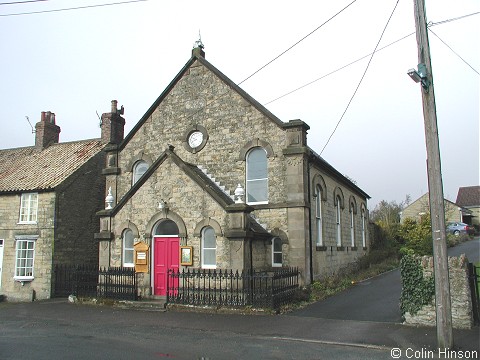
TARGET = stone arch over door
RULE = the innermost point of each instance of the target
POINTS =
(166, 214)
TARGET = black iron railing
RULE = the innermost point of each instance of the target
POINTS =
(474, 279)
(205, 287)
(90, 281)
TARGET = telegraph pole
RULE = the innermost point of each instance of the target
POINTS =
(435, 187)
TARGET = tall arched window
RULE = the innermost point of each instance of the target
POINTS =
(127, 251)
(364, 229)
(139, 169)
(318, 215)
(257, 176)
(277, 252)
(209, 248)
(352, 226)
(339, 221)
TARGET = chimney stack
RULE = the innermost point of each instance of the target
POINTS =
(46, 131)
(113, 125)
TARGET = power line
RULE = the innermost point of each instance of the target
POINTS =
(298, 42)
(453, 19)
(453, 51)
(363, 57)
(22, 2)
(361, 79)
(337, 70)
(73, 8)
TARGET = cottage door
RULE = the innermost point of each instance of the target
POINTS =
(1, 261)
(166, 256)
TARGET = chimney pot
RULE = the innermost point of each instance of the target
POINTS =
(114, 106)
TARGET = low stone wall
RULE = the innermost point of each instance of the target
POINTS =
(460, 293)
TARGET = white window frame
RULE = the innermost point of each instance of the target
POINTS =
(318, 216)
(25, 272)
(126, 249)
(352, 226)
(137, 174)
(202, 256)
(364, 234)
(276, 264)
(28, 208)
(339, 222)
(250, 181)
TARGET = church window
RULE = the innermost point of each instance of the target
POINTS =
(209, 248)
(139, 169)
(257, 176)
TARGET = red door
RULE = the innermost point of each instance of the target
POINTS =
(166, 257)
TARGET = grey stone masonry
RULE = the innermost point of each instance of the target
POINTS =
(461, 300)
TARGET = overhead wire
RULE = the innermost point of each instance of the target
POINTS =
(461, 58)
(72, 8)
(365, 56)
(22, 2)
(298, 42)
(361, 79)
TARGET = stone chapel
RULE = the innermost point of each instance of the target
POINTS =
(210, 170)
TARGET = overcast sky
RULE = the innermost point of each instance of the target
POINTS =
(75, 62)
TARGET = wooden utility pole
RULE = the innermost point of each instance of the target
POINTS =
(435, 187)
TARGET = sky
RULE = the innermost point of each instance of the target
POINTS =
(75, 62)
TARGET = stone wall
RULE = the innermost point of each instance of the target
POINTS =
(461, 300)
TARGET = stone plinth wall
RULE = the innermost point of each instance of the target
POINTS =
(460, 293)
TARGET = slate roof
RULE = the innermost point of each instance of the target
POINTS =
(468, 196)
(28, 169)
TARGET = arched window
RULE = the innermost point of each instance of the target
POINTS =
(139, 169)
(339, 220)
(318, 215)
(257, 176)
(209, 248)
(364, 229)
(352, 226)
(127, 256)
(277, 252)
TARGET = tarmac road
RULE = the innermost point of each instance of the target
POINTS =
(376, 299)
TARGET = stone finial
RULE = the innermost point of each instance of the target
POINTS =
(109, 200)
(239, 194)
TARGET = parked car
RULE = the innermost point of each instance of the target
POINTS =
(458, 228)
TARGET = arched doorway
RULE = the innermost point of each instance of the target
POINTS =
(166, 254)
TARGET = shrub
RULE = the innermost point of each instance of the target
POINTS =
(416, 290)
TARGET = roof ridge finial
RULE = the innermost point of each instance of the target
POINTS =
(198, 43)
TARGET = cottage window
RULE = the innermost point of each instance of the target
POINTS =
(128, 251)
(139, 169)
(28, 208)
(339, 221)
(276, 252)
(24, 258)
(318, 215)
(257, 176)
(209, 248)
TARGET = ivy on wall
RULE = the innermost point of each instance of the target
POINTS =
(416, 289)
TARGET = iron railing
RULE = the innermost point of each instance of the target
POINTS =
(206, 287)
(90, 281)
(474, 279)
